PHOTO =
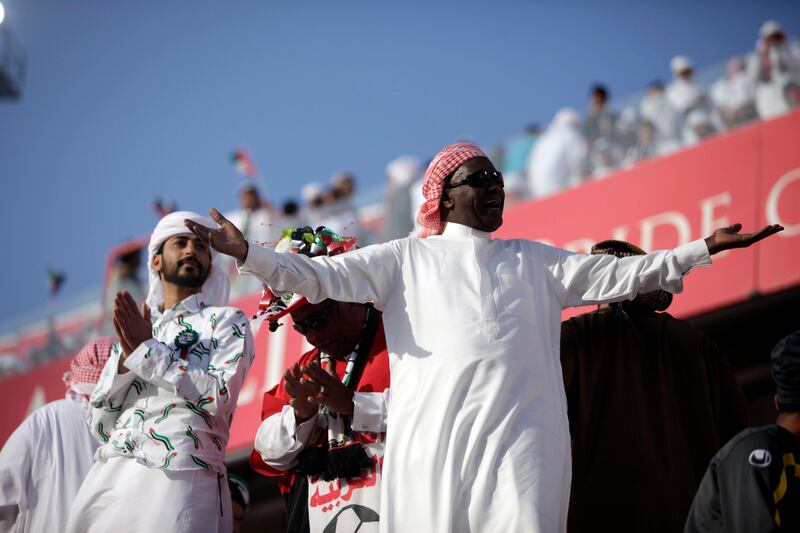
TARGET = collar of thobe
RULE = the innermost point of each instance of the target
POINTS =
(192, 304)
(461, 232)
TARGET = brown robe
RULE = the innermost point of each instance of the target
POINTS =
(651, 400)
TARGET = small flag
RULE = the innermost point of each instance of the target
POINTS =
(55, 280)
(244, 165)
(163, 209)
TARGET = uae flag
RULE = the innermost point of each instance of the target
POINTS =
(244, 165)
(55, 280)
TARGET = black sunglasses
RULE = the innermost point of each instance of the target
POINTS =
(480, 178)
(316, 320)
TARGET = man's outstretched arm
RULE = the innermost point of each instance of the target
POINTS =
(593, 279)
(361, 276)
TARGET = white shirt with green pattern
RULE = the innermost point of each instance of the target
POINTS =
(174, 407)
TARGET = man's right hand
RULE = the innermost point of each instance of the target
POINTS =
(300, 389)
(227, 239)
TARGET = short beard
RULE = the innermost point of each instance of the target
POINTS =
(194, 281)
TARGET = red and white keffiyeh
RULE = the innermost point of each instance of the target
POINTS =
(445, 162)
(86, 367)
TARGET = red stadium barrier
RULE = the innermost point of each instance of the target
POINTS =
(750, 176)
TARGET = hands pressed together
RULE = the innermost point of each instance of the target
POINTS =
(132, 325)
(312, 387)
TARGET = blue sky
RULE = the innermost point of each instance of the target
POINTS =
(127, 101)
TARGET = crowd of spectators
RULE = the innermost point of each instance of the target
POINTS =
(575, 148)
(570, 150)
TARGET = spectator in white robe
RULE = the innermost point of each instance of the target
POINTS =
(558, 160)
(774, 69)
(164, 402)
(340, 215)
(291, 215)
(733, 95)
(683, 93)
(255, 219)
(699, 126)
(605, 157)
(314, 209)
(647, 145)
(600, 121)
(478, 434)
(400, 175)
(45, 460)
(627, 127)
(656, 108)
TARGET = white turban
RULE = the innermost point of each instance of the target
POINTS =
(215, 289)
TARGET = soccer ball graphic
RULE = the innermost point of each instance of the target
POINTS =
(352, 519)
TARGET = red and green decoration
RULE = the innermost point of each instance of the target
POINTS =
(308, 242)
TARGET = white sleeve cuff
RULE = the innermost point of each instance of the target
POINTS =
(691, 255)
(302, 431)
(259, 262)
(369, 412)
(135, 361)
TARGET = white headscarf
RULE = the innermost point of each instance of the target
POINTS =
(215, 289)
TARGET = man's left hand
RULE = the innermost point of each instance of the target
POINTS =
(333, 394)
(133, 326)
(728, 238)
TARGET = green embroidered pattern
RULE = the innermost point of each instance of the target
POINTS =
(199, 411)
(199, 462)
(195, 439)
(237, 331)
(138, 386)
(167, 460)
(234, 359)
(103, 435)
(162, 439)
(165, 413)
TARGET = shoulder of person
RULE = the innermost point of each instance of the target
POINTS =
(757, 447)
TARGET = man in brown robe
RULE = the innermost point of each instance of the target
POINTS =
(650, 401)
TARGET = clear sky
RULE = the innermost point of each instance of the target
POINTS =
(127, 101)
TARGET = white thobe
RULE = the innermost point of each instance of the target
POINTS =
(684, 95)
(769, 95)
(42, 466)
(477, 438)
(556, 162)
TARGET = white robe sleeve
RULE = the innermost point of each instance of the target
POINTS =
(108, 396)
(360, 276)
(280, 439)
(16, 464)
(216, 388)
(594, 279)
(370, 411)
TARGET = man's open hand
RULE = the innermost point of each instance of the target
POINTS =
(333, 394)
(728, 238)
(300, 389)
(226, 239)
(133, 327)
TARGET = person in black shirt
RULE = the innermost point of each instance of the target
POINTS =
(753, 483)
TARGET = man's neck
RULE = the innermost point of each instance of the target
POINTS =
(790, 422)
(174, 294)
